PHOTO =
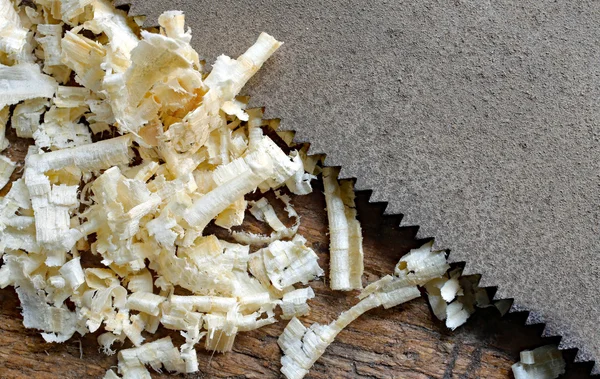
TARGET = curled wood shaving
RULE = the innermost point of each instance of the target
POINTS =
(422, 265)
(454, 298)
(156, 354)
(27, 115)
(49, 36)
(545, 362)
(262, 210)
(257, 167)
(346, 262)
(294, 303)
(7, 167)
(87, 158)
(285, 263)
(24, 81)
(302, 346)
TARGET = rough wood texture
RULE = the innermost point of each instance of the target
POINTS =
(403, 342)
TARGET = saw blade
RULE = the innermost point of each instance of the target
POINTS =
(478, 121)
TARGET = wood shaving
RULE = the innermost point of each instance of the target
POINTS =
(454, 298)
(7, 167)
(286, 263)
(545, 362)
(346, 262)
(27, 115)
(24, 81)
(294, 303)
(263, 211)
(302, 346)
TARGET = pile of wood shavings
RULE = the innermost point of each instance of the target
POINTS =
(185, 155)
(183, 152)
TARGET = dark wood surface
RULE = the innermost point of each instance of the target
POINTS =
(402, 342)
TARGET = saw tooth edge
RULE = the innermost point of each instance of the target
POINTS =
(577, 361)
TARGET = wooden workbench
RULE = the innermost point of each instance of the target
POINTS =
(402, 342)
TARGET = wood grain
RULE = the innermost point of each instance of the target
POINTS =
(403, 342)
